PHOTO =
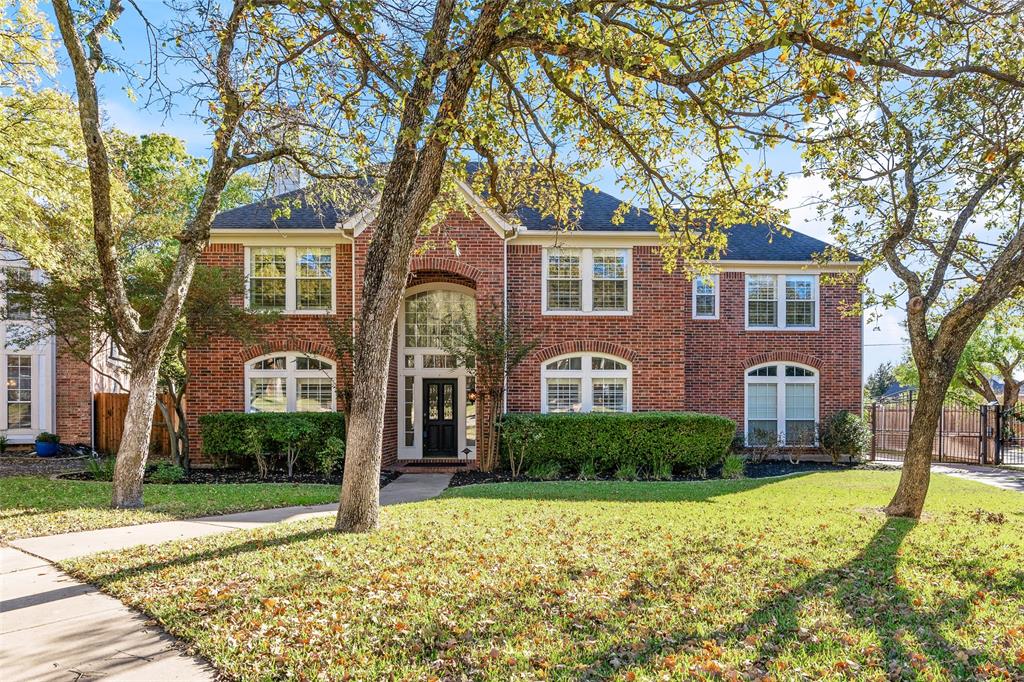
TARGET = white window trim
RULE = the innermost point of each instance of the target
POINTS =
(586, 375)
(780, 380)
(587, 281)
(693, 297)
(291, 376)
(780, 302)
(290, 279)
(44, 365)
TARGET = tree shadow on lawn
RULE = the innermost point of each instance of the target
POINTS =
(866, 590)
(614, 491)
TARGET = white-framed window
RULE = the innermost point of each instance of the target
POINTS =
(587, 281)
(586, 382)
(705, 297)
(290, 382)
(19, 392)
(17, 306)
(781, 405)
(782, 301)
(290, 279)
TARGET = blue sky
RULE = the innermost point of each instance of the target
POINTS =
(884, 339)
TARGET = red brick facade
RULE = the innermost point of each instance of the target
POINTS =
(678, 363)
(73, 388)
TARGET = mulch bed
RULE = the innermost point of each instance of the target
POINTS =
(762, 470)
(245, 476)
(30, 464)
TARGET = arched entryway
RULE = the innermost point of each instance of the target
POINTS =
(437, 407)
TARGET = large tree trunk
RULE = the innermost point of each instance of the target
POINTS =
(134, 449)
(360, 486)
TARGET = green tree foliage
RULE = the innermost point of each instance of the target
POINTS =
(879, 381)
(926, 178)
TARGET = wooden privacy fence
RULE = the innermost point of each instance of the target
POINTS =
(110, 411)
(965, 433)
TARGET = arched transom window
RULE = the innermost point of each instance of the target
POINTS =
(586, 382)
(431, 316)
(782, 405)
(290, 382)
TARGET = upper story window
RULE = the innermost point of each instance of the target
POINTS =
(291, 279)
(18, 306)
(705, 297)
(782, 301)
(782, 405)
(592, 281)
(586, 383)
(290, 382)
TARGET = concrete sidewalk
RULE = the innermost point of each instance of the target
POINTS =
(1009, 479)
(53, 627)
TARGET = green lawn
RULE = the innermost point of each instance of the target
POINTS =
(31, 506)
(793, 578)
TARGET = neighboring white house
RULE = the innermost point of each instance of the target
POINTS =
(28, 403)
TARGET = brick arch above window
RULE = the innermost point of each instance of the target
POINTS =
(586, 346)
(783, 356)
(290, 346)
(441, 264)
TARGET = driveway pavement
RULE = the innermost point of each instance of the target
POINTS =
(1000, 477)
(53, 627)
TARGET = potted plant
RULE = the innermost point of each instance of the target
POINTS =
(47, 444)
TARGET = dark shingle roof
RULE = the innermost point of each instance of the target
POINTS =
(745, 241)
(304, 214)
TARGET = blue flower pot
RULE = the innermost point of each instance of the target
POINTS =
(47, 449)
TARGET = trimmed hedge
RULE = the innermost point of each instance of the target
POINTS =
(255, 436)
(603, 443)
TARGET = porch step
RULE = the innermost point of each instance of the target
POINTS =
(418, 466)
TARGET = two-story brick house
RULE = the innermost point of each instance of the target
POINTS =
(764, 341)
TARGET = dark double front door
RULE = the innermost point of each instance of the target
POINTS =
(440, 418)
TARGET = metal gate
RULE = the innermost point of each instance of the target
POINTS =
(1010, 444)
(965, 434)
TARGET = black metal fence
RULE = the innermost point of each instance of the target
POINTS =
(1010, 444)
(968, 434)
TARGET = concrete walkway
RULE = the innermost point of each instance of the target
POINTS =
(1010, 479)
(53, 627)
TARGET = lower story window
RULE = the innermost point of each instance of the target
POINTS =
(782, 405)
(290, 382)
(19, 392)
(586, 383)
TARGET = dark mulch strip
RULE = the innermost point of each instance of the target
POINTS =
(204, 476)
(30, 464)
(762, 470)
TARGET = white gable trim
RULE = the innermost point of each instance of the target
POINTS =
(361, 220)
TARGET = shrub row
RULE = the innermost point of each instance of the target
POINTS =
(647, 443)
(313, 441)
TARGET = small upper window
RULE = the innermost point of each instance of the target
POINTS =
(792, 371)
(769, 371)
(277, 362)
(601, 362)
(575, 362)
(19, 303)
(705, 297)
(586, 281)
(307, 362)
(782, 301)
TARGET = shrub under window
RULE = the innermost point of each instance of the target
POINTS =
(603, 443)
